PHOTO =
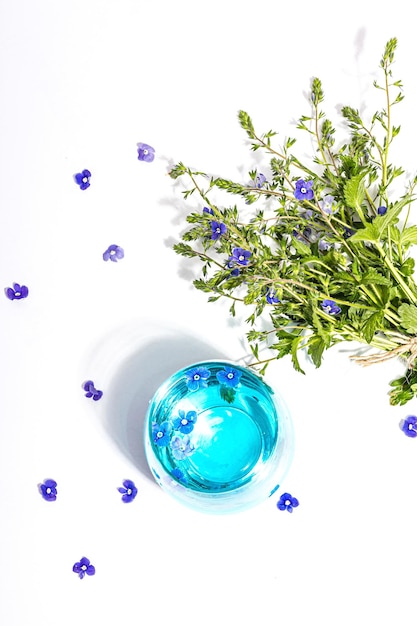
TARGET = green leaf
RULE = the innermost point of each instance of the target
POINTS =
(381, 222)
(227, 393)
(294, 357)
(369, 233)
(372, 277)
(316, 347)
(372, 324)
(408, 315)
(409, 236)
(354, 191)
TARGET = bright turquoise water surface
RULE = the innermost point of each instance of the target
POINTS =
(234, 433)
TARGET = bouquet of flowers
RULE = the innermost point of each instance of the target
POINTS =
(319, 252)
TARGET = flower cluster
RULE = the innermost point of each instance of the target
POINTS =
(323, 257)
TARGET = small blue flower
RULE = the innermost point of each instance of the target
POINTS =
(185, 421)
(48, 490)
(17, 292)
(240, 256)
(229, 376)
(128, 490)
(207, 210)
(271, 296)
(326, 204)
(217, 230)
(161, 433)
(330, 307)
(287, 502)
(409, 426)
(83, 179)
(197, 378)
(83, 567)
(231, 264)
(178, 475)
(382, 210)
(303, 190)
(324, 245)
(348, 232)
(91, 391)
(260, 180)
(146, 152)
(114, 253)
(181, 447)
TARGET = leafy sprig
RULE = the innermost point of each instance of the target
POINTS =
(327, 248)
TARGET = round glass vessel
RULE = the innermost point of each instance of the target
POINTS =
(217, 437)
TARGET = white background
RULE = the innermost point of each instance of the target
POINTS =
(81, 84)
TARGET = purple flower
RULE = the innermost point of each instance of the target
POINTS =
(326, 204)
(161, 433)
(207, 210)
(229, 376)
(181, 447)
(324, 245)
(217, 230)
(83, 179)
(330, 307)
(84, 567)
(303, 190)
(114, 253)
(17, 292)
(185, 421)
(409, 426)
(382, 210)
(146, 152)
(287, 502)
(178, 475)
(48, 490)
(128, 490)
(260, 180)
(91, 391)
(197, 377)
(271, 296)
(240, 256)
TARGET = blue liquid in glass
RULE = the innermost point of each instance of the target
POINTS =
(235, 432)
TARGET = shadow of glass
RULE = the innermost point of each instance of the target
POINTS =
(135, 383)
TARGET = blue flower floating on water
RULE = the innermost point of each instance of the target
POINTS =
(91, 391)
(303, 190)
(48, 490)
(217, 230)
(181, 447)
(229, 376)
(197, 378)
(185, 421)
(83, 567)
(146, 152)
(83, 179)
(178, 475)
(161, 433)
(114, 253)
(409, 426)
(287, 502)
(330, 307)
(17, 292)
(240, 256)
(128, 490)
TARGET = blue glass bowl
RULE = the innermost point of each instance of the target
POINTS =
(217, 437)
